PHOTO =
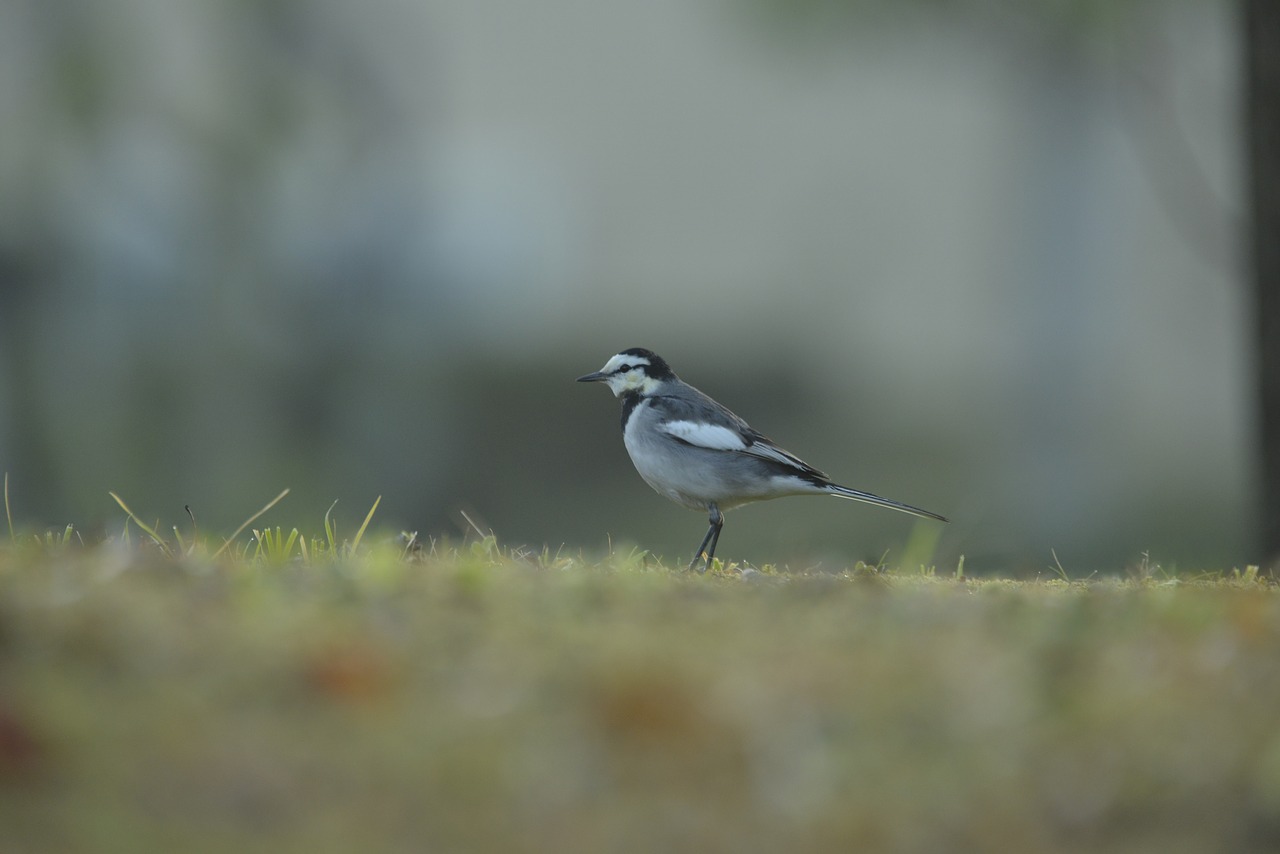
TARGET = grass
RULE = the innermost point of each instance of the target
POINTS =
(282, 692)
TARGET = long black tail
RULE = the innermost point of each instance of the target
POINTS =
(856, 495)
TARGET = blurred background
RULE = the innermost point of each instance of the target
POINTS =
(976, 256)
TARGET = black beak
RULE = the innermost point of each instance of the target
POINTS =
(592, 377)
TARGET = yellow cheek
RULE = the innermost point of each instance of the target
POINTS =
(646, 385)
(634, 381)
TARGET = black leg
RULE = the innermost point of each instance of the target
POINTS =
(697, 556)
(708, 545)
(716, 525)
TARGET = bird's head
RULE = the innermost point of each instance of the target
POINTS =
(636, 370)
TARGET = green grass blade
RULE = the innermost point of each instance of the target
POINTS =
(368, 516)
(247, 522)
(331, 528)
(7, 514)
(164, 547)
(288, 544)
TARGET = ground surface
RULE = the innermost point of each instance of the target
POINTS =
(475, 700)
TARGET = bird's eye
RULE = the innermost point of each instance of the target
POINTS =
(624, 369)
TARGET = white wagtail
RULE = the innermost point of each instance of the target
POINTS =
(699, 454)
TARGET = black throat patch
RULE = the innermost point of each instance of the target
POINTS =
(630, 401)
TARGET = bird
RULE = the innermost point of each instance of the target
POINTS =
(696, 452)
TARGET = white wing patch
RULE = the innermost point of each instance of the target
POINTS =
(711, 436)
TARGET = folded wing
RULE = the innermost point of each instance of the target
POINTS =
(741, 439)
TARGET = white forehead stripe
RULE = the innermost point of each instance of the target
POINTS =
(711, 436)
(623, 359)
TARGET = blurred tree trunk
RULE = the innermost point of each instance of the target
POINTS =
(1262, 123)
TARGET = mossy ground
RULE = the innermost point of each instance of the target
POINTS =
(470, 698)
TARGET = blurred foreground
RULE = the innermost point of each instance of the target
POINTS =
(466, 699)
